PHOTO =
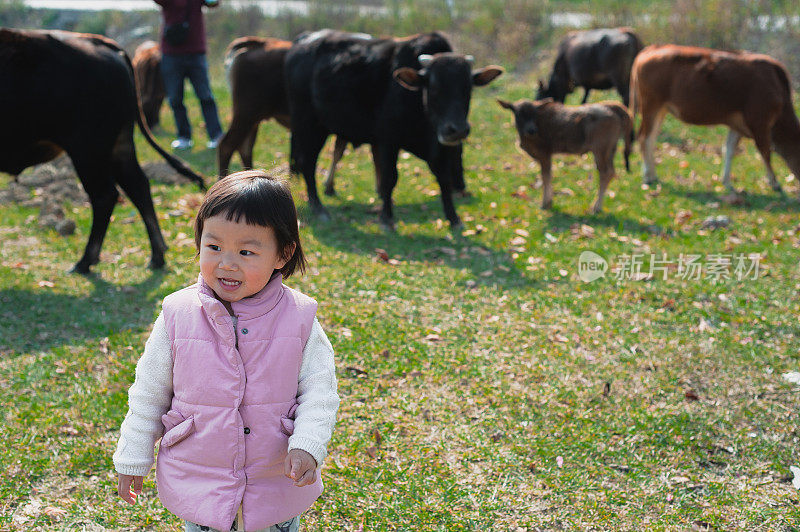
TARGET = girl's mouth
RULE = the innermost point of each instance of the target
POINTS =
(229, 284)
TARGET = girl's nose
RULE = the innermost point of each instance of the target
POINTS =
(227, 263)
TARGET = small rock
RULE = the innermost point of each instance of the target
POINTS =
(715, 222)
(65, 227)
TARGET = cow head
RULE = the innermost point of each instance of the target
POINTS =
(525, 115)
(555, 89)
(446, 82)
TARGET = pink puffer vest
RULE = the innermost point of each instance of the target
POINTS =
(227, 432)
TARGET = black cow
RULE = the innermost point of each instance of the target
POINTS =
(593, 59)
(393, 94)
(62, 91)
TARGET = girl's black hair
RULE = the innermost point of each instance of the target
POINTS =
(261, 199)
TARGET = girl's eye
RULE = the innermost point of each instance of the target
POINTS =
(246, 253)
(213, 247)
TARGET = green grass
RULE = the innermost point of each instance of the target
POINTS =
(468, 364)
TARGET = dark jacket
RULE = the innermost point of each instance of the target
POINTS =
(174, 12)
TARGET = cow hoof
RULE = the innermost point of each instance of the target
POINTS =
(330, 192)
(81, 268)
(322, 215)
(156, 264)
(387, 225)
(733, 197)
(463, 193)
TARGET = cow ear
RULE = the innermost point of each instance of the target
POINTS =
(507, 105)
(485, 75)
(408, 78)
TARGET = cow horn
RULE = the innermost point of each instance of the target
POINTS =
(425, 59)
(469, 59)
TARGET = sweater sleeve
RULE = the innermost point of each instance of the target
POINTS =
(317, 398)
(149, 398)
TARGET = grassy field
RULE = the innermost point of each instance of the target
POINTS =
(484, 386)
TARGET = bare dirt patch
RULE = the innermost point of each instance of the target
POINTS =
(51, 185)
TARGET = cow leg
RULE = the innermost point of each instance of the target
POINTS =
(459, 184)
(247, 146)
(624, 91)
(136, 186)
(386, 168)
(305, 146)
(585, 95)
(103, 194)
(232, 141)
(443, 166)
(652, 118)
(605, 169)
(547, 181)
(764, 146)
(730, 150)
(375, 162)
(338, 152)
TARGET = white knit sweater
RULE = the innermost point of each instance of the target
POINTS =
(150, 397)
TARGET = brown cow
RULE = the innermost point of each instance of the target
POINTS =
(546, 127)
(750, 93)
(255, 73)
(149, 82)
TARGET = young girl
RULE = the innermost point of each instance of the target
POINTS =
(237, 377)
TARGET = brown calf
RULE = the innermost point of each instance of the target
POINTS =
(546, 127)
(147, 68)
(258, 92)
(749, 93)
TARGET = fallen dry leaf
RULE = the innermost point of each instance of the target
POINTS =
(54, 513)
(381, 254)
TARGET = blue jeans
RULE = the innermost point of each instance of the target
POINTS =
(175, 69)
(292, 525)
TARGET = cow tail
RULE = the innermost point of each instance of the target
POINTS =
(179, 166)
(627, 121)
(627, 131)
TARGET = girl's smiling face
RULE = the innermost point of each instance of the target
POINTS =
(238, 259)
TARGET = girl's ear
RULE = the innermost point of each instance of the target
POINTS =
(288, 253)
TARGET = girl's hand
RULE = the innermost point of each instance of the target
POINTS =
(124, 487)
(300, 467)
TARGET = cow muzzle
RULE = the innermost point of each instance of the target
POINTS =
(452, 135)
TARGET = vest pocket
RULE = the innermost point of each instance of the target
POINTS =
(287, 421)
(179, 432)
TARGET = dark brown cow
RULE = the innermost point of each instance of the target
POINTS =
(750, 93)
(592, 59)
(72, 92)
(149, 82)
(258, 92)
(546, 127)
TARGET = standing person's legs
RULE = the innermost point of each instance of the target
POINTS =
(173, 70)
(198, 75)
